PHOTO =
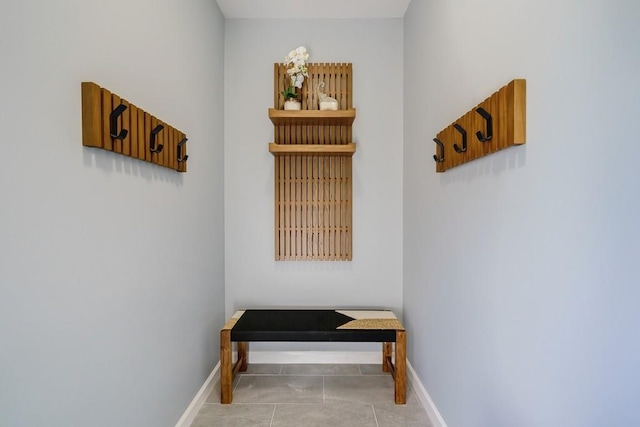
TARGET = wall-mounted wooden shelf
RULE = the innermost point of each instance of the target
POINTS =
(312, 117)
(312, 150)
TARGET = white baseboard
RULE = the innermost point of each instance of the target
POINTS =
(289, 357)
(194, 407)
(424, 398)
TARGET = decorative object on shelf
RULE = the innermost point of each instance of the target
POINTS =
(313, 153)
(113, 124)
(497, 123)
(325, 102)
(292, 104)
(295, 63)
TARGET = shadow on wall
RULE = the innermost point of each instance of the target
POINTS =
(312, 266)
(494, 164)
(112, 162)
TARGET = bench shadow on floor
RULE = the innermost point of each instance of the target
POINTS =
(312, 395)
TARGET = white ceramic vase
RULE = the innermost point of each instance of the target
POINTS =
(292, 104)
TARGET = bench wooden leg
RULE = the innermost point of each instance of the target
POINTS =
(242, 356)
(226, 370)
(400, 377)
(386, 354)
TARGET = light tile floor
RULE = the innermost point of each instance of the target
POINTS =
(310, 396)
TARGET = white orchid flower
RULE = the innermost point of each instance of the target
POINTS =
(296, 70)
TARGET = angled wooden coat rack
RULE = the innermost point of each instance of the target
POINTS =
(496, 123)
(114, 124)
(312, 152)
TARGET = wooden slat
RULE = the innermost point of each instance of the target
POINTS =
(164, 140)
(314, 207)
(277, 219)
(303, 207)
(349, 87)
(327, 206)
(283, 208)
(499, 107)
(153, 124)
(171, 148)
(117, 143)
(133, 131)
(142, 147)
(348, 228)
(276, 85)
(299, 204)
(147, 139)
(287, 210)
(107, 143)
(126, 124)
(91, 115)
(173, 158)
(180, 166)
(184, 166)
(517, 108)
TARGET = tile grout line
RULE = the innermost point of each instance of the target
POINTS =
(374, 415)
(273, 414)
(236, 386)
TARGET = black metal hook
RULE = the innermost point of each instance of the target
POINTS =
(441, 145)
(113, 123)
(485, 115)
(464, 139)
(180, 144)
(152, 140)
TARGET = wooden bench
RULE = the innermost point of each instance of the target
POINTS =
(313, 325)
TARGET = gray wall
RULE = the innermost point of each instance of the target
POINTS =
(520, 269)
(373, 278)
(111, 269)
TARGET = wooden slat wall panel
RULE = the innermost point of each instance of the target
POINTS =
(97, 105)
(507, 107)
(312, 209)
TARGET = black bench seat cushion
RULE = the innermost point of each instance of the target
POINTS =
(313, 325)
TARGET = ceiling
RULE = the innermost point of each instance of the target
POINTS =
(313, 9)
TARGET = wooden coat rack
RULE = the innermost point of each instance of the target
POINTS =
(496, 123)
(114, 124)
